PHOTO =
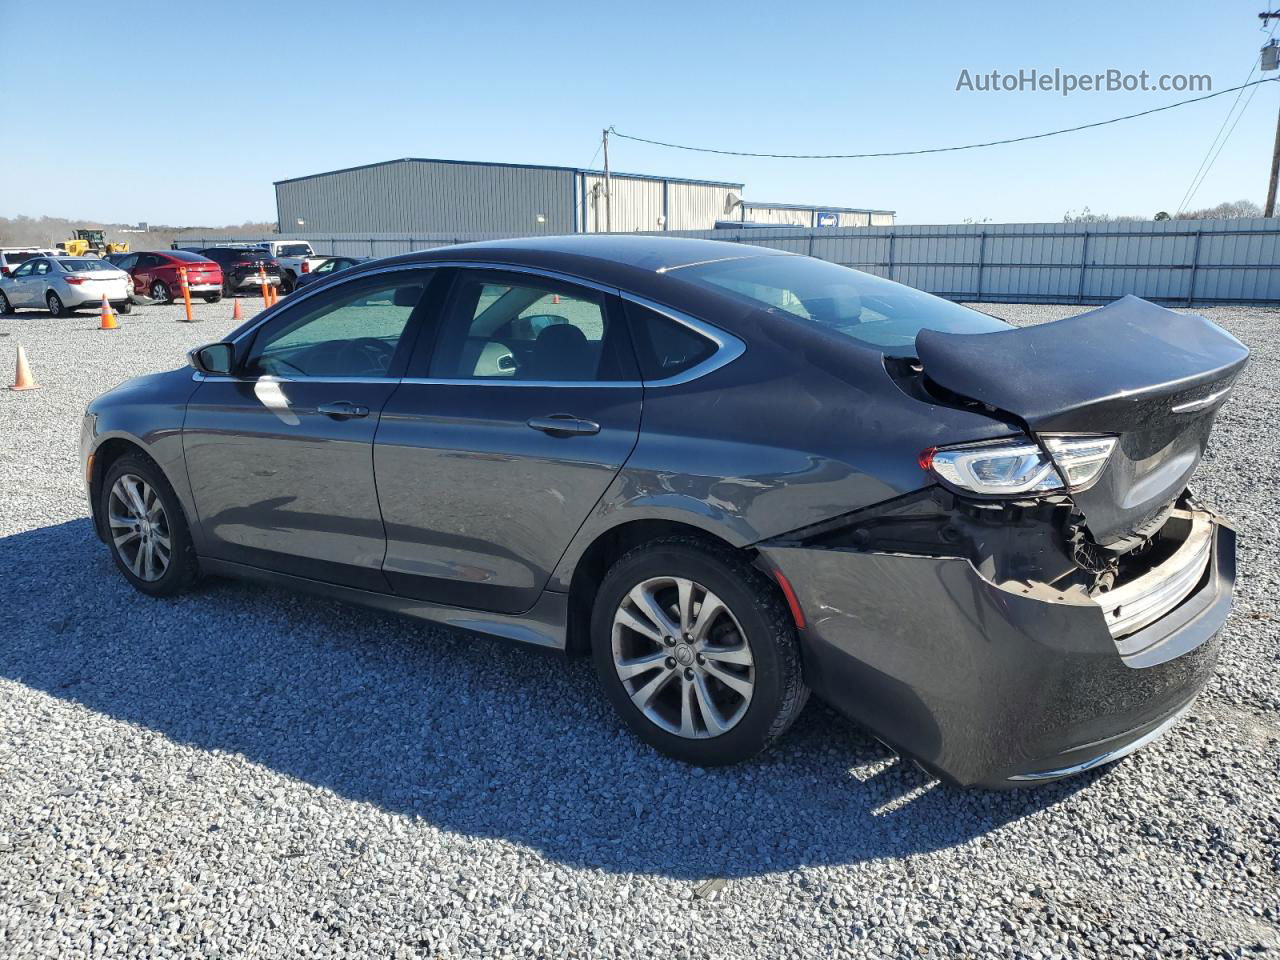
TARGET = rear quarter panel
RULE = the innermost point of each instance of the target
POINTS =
(805, 426)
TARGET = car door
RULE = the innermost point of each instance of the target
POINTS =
(143, 272)
(40, 281)
(279, 455)
(19, 291)
(511, 425)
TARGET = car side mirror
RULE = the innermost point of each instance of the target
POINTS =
(213, 360)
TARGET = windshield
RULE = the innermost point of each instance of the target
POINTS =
(874, 311)
(293, 250)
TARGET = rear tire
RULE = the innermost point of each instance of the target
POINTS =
(54, 302)
(148, 519)
(6, 307)
(212, 297)
(667, 686)
(287, 283)
(125, 308)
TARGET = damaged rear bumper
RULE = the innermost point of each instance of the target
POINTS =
(999, 686)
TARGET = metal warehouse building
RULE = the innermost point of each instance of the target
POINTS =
(805, 215)
(464, 197)
(436, 196)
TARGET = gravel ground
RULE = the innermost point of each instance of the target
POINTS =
(245, 772)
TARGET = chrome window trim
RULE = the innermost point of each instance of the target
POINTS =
(728, 347)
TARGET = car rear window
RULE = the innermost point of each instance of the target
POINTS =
(876, 312)
(293, 250)
(23, 257)
(82, 266)
(187, 255)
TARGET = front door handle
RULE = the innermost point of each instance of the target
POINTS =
(565, 425)
(342, 410)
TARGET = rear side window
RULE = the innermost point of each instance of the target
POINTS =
(665, 347)
(13, 258)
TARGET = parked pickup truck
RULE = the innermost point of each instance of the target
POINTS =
(295, 258)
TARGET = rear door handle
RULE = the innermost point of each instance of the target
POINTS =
(342, 410)
(564, 425)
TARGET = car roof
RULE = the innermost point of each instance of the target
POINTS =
(652, 252)
(644, 265)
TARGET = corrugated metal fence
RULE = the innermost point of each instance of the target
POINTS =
(1177, 261)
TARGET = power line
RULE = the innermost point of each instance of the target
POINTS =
(1198, 184)
(914, 153)
(1196, 178)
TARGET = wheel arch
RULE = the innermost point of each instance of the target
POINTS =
(591, 565)
(105, 454)
(109, 449)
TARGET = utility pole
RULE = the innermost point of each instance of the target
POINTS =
(608, 187)
(1270, 209)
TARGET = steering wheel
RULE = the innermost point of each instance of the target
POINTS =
(337, 355)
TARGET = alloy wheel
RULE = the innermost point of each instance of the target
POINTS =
(140, 527)
(682, 657)
(159, 291)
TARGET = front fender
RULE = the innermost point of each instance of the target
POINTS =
(146, 413)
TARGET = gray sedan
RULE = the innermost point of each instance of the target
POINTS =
(62, 284)
(731, 475)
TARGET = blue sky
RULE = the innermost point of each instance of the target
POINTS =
(245, 94)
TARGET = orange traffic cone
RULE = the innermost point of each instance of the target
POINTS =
(108, 318)
(236, 315)
(22, 379)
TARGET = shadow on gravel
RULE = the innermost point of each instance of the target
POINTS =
(470, 735)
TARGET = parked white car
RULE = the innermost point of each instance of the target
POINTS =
(62, 284)
(295, 257)
(13, 257)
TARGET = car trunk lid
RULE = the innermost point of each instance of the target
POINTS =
(1150, 376)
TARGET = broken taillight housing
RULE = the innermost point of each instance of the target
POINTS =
(1005, 467)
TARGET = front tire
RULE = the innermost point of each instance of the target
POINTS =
(697, 651)
(146, 529)
(160, 292)
(125, 308)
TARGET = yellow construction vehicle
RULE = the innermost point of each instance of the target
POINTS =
(91, 241)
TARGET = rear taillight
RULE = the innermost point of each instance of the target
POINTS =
(4, 271)
(306, 266)
(74, 281)
(1012, 467)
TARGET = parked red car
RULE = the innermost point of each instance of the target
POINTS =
(155, 274)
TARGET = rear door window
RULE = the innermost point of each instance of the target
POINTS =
(500, 327)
